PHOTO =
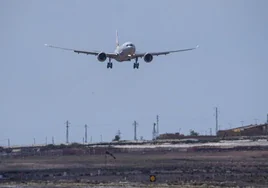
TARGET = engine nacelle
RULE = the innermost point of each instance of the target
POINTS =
(148, 58)
(102, 56)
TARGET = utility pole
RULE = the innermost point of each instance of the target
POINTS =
(85, 133)
(67, 131)
(8, 143)
(101, 137)
(154, 131)
(157, 123)
(210, 132)
(230, 125)
(34, 141)
(267, 127)
(53, 140)
(216, 120)
(256, 121)
(46, 140)
(119, 133)
(135, 130)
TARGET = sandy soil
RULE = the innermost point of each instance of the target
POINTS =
(198, 169)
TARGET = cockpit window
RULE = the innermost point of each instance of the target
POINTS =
(131, 45)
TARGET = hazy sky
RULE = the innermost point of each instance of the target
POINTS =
(43, 87)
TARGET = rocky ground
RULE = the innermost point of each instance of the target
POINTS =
(180, 169)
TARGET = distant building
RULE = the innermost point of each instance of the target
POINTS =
(178, 136)
(170, 136)
(249, 130)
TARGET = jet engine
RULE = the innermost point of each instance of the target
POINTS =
(102, 56)
(148, 58)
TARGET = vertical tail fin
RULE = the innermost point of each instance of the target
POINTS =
(116, 39)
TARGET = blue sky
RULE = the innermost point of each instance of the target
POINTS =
(42, 87)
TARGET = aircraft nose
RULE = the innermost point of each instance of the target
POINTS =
(132, 47)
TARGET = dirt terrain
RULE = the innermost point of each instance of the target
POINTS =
(217, 168)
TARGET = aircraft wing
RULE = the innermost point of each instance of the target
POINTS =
(164, 52)
(111, 55)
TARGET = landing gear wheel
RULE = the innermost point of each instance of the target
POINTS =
(135, 65)
(109, 65)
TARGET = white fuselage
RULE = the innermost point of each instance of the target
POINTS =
(125, 52)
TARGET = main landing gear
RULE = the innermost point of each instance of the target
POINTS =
(109, 64)
(136, 64)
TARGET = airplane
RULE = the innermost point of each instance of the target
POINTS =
(125, 52)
